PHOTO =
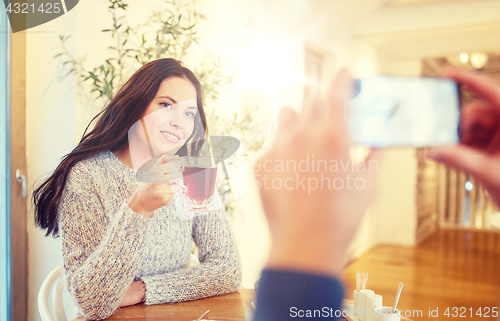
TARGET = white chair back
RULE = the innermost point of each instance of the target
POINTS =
(55, 282)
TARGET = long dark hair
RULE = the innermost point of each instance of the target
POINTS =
(111, 132)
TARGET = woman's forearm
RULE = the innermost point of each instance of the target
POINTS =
(100, 264)
(202, 281)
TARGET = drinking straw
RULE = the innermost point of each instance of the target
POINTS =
(228, 181)
(210, 148)
(358, 282)
(400, 288)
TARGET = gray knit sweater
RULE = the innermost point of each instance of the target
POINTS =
(107, 246)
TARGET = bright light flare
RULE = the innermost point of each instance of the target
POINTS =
(267, 64)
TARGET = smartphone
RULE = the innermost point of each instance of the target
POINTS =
(404, 112)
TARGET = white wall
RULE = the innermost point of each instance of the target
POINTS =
(395, 209)
(50, 126)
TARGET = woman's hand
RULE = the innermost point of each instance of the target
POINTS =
(136, 293)
(479, 151)
(159, 190)
(313, 213)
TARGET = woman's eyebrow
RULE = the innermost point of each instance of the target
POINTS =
(168, 97)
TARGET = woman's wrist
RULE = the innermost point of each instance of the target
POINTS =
(143, 296)
(135, 294)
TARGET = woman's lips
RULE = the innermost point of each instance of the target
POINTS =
(171, 137)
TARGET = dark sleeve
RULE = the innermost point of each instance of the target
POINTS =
(292, 295)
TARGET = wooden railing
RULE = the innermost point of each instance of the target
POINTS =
(449, 199)
(464, 203)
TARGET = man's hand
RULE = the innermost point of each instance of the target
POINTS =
(479, 151)
(314, 213)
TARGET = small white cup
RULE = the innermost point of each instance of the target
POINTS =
(373, 301)
(386, 314)
(362, 304)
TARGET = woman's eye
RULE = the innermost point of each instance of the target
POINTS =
(190, 115)
(167, 105)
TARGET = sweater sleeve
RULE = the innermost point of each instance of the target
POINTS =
(101, 251)
(288, 295)
(219, 271)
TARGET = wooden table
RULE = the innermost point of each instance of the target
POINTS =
(230, 307)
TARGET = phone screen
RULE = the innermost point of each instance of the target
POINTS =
(399, 111)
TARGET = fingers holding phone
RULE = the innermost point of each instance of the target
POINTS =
(480, 126)
(483, 87)
(481, 118)
(479, 151)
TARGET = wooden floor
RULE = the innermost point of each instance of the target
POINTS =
(450, 269)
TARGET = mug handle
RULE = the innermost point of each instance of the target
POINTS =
(182, 165)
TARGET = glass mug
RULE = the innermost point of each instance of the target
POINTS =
(199, 174)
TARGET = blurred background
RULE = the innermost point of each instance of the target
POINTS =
(431, 227)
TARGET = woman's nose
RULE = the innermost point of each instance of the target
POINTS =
(175, 121)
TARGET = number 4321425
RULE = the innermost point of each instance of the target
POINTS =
(462, 312)
(30, 8)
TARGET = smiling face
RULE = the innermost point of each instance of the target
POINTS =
(170, 116)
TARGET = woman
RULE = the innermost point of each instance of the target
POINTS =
(123, 240)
